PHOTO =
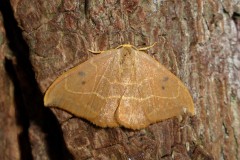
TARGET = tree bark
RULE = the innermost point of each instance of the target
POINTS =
(197, 40)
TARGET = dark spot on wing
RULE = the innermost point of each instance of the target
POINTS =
(82, 74)
(163, 87)
(83, 82)
(165, 79)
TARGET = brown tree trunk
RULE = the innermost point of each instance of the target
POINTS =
(197, 40)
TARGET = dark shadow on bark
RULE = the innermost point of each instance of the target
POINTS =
(21, 114)
(28, 97)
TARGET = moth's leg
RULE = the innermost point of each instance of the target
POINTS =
(96, 52)
(146, 48)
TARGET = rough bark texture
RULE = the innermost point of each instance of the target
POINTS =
(199, 41)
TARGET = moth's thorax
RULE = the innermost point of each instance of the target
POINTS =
(127, 55)
(127, 63)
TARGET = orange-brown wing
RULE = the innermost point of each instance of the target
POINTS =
(88, 90)
(159, 95)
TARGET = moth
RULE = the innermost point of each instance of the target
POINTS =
(120, 87)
